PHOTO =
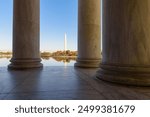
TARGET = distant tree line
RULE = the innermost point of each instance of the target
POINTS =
(48, 54)
(59, 53)
(5, 54)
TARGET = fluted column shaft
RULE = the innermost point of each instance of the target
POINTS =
(126, 42)
(88, 33)
(26, 35)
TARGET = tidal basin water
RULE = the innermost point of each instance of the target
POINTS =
(46, 61)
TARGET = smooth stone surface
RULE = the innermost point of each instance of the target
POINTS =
(25, 64)
(126, 38)
(125, 75)
(88, 33)
(63, 83)
(59, 95)
(26, 35)
(88, 63)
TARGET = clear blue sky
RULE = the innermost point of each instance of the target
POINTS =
(57, 17)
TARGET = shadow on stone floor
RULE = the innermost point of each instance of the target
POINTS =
(63, 83)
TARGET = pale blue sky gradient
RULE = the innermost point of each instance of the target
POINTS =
(57, 17)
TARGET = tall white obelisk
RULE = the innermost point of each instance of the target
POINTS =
(65, 48)
(65, 42)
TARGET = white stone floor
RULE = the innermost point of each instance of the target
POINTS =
(63, 83)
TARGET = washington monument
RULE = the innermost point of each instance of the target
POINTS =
(65, 42)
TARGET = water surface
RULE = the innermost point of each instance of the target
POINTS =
(46, 61)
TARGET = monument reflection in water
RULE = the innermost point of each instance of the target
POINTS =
(46, 61)
(58, 61)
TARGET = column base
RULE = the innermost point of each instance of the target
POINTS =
(25, 63)
(88, 63)
(128, 75)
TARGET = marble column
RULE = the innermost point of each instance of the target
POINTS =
(126, 42)
(88, 33)
(26, 35)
